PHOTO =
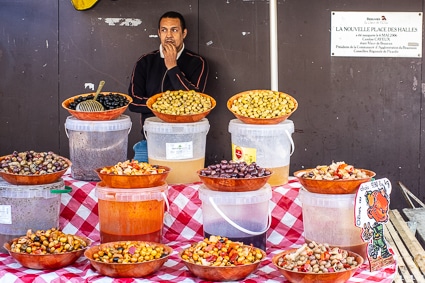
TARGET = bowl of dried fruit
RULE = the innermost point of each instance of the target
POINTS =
(231, 176)
(181, 106)
(337, 178)
(37, 250)
(262, 106)
(114, 104)
(242, 259)
(33, 168)
(132, 174)
(302, 264)
(123, 258)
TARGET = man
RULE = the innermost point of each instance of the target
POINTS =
(171, 67)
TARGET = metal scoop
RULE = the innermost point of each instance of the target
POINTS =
(92, 105)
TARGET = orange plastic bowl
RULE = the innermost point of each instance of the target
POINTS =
(260, 121)
(179, 118)
(134, 181)
(18, 179)
(96, 115)
(332, 186)
(46, 261)
(222, 273)
(233, 184)
(331, 277)
(131, 270)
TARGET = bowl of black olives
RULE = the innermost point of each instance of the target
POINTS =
(232, 176)
(114, 104)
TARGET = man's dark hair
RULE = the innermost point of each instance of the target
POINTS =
(173, 15)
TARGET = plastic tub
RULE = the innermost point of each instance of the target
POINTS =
(330, 219)
(230, 214)
(94, 144)
(131, 214)
(270, 146)
(24, 207)
(180, 146)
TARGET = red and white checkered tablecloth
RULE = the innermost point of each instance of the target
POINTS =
(182, 226)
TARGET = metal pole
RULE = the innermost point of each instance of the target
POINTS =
(273, 46)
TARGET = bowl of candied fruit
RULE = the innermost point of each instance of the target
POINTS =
(262, 106)
(180, 106)
(131, 174)
(114, 104)
(38, 249)
(236, 261)
(132, 259)
(317, 263)
(33, 168)
(336, 178)
(232, 176)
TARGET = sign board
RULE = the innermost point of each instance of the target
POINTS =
(376, 34)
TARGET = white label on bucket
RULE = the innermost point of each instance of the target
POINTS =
(181, 150)
(5, 214)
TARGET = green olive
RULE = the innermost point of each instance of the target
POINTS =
(180, 102)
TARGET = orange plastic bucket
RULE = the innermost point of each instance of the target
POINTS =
(131, 214)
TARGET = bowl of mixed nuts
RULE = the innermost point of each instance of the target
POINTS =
(33, 168)
(47, 249)
(180, 106)
(231, 176)
(336, 178)
(262, 107)
(317, 263)
(131, 259)
(226, 261)
(132, 174)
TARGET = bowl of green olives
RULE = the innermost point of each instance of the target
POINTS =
(262, 106)
(180, 106)
(114, 104)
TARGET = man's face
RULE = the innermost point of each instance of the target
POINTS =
(170, 32)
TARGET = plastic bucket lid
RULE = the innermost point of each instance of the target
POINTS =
(156, 125)
(130, 195)
(123, 122)
(236, 198)
(8, 190)
(237, 127)
(326, 200)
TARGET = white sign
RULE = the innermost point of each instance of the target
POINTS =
(376, 34)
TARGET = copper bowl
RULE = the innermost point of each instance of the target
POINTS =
(233, 184)
(133, 181)
(131, 270)
(331, 277)
(259, 121)
(96, 115)
(179, 118)
(17, 179)
(222, 273)
(335, 187)
(46, 261)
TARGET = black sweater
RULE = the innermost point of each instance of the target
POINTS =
(150, 76)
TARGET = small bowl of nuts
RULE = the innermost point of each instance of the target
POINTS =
(337, 178)
(236, 262)
(317, 263)
(33, 168)
(114, 103)
(50, 249)
(262, 107)
(132, 259)
(180, 106)
(231, 176)
(132, 174)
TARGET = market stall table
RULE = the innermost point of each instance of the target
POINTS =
(183, 226)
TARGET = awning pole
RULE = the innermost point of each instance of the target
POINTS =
(273, 46)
